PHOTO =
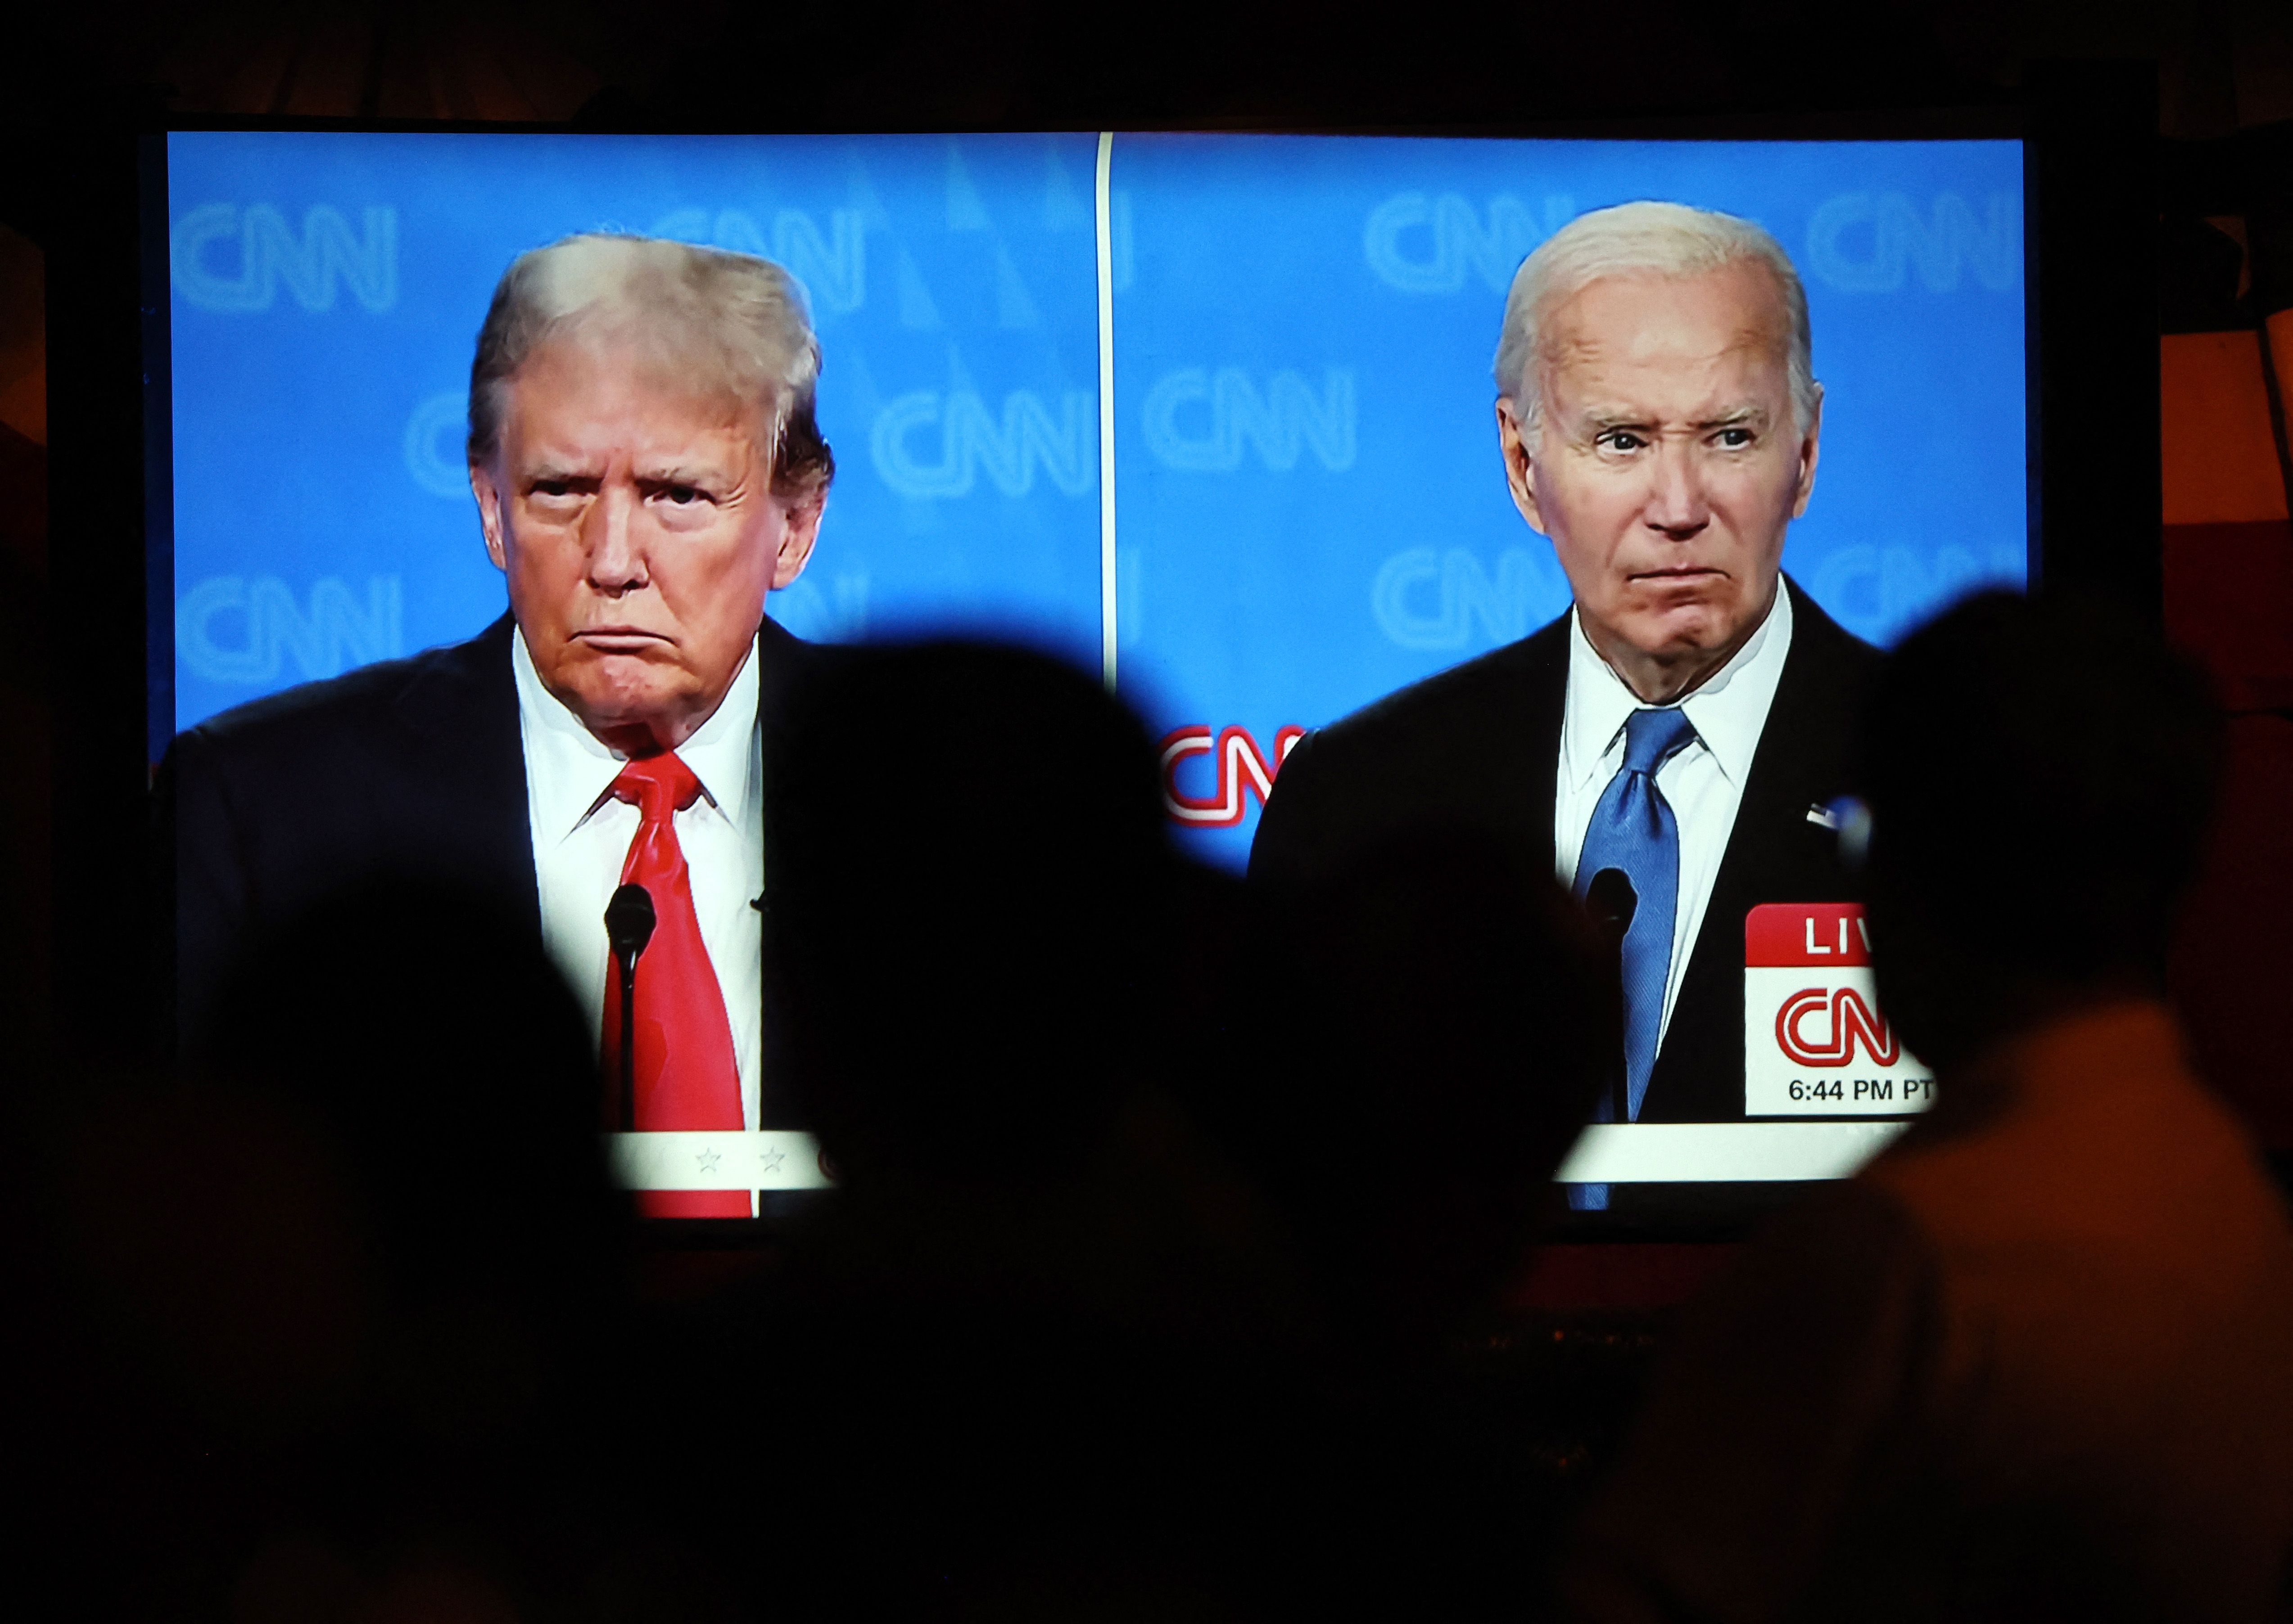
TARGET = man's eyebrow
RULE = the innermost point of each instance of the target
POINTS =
(1600, 419)
(683, 473)
(539, 474)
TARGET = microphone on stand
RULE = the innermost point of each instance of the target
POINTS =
(1610, 902)
(628, 927)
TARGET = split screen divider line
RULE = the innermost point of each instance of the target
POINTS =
(1106, 232)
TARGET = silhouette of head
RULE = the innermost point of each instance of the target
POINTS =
(967, 879)
(431, 1047)
(1437, 1023)
(2040, 772)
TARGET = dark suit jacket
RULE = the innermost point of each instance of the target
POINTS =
(406, 768)
(1478, 746)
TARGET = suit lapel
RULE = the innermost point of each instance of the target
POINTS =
(463, 708)
(1774, 854)
(780, 654)
(1541, 693)
(780, 657)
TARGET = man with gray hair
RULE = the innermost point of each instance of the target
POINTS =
(1683, 727)
(647, 467)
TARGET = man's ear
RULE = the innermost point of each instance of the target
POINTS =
(1516, 460)
(489, 514)
(796, 537)
(1807, 452)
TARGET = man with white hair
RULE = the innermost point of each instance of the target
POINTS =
(1685, 725)
(647, 467)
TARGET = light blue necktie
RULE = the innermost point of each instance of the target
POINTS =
(1634, 831)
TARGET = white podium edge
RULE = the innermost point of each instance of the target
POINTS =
(1607, 1153)
(1722, 1152)
(771, 1159)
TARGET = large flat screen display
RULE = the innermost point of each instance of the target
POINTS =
(1278, 347)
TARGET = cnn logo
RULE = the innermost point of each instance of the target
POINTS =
(1239, 770)
(1816, 1042)
(1852, 1021)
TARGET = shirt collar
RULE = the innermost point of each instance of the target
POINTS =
(570, 770)
(723, 753)
(1728, 709)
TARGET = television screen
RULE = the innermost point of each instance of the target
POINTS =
(1280, 347)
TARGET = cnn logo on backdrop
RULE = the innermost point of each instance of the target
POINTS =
(1816, 1043)
(1239, 773)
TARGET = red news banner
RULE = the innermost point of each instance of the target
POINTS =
(1815, 1042)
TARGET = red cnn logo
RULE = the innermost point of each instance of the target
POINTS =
(1237, 760)
(1850, 1019)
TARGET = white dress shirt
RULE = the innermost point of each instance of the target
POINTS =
(1704, 780)
(581, 836)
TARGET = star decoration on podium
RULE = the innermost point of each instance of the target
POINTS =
(770, 1161)
(709, 1160)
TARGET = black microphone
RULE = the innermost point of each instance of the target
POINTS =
(1610, 902)
(628, 927)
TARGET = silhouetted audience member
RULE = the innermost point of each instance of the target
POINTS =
(1430, 1026)
(363, 1275)
(972, 949)
(2036, 1362)
(968, 865)
(1432, 1023)
(999, 1374)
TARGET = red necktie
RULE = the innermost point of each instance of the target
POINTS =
(685, 1074)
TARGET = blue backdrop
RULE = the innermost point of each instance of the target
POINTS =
(1311, 511)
